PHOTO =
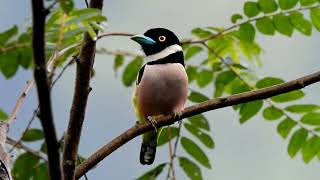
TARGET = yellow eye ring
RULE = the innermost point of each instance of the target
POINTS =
(162, 38)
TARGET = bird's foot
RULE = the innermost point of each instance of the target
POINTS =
(152, 122)
(177, 115)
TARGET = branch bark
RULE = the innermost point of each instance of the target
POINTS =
(40, 76)
(80, 98)
(209, 105)
(4, 155)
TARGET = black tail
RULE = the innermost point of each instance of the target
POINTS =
(148, 150)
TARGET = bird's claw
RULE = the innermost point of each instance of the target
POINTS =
(153, 122)
(177, 115)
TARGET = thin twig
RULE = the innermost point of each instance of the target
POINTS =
(226, 30)
(35, 112)
(174, 153)
(62, 71)
(87, 4)
(20, 101)
(48, 9)
(26, 148)
(209, 105)
(102, 35)
(171, 168)
(117, 52)
(14, 46)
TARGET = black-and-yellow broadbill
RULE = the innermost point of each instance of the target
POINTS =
(161, 86)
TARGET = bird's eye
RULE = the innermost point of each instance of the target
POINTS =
(162, 38)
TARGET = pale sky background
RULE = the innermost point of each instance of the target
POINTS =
(243, 152)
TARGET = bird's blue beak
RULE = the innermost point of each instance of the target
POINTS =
(143, 40)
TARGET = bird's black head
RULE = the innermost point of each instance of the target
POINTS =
(155, 40)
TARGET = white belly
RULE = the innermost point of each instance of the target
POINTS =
(163, 89)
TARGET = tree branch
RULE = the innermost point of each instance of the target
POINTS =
(216, 35)
(79, 104)
(19, 145)
(226, 30)
(139, 129)
(40, 75)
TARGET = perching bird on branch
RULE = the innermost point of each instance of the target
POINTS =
(161, 86)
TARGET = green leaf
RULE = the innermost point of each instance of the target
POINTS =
(250, 109)
(195, 151)
(202, 136)
(265, 26)
(118, 62)
(271, 113)
(66, 5)
(164, 135)
(285, 126)
(8, 34)
(310, 149)
(25, 57)
(302, 108)
(90, 31)
(153, 173)
(3, 115)
(287, 4)
(222, 80)
(297, 141)
(9, 64)
(283, 25)
(204, 78)
(85, 11)
(85, 16)
(311, 119)
(199, 121)
(290, 96)
(250, 50)
(239, 87)
(72, 33)
(191, 169)
(247, 32)
(236, 17)
(197, 97)
(131, 71)
(301, 24)
(315, 17)
(192, 51)
(225, 77)
(24, 166)
(251, 9)
(307, 2)
(191, 72)
(268, 81)
(41, 172)
(201, 33)
(267, 6)
(33, 135)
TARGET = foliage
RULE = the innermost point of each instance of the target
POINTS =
(64, 27)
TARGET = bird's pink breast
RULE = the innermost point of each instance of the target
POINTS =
(163, 89)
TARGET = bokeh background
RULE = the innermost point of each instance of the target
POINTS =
(243, 152)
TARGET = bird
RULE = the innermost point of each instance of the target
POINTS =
(161, 85)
